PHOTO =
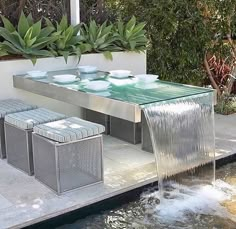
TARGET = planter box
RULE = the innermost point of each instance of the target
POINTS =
(121, 60)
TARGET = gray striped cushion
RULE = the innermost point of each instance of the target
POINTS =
(10, 106)
(28, 119)
(70, 129)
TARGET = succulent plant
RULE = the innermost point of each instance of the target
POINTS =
(131, 36)
(67, 40)
(28, 39)
(100, 38)
(3, 52)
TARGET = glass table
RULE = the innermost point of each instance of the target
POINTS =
(121, 104)
(123, 99)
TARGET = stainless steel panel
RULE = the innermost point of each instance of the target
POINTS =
(146, 138)
(19, 148)
(2, 140)
(68, 166)
(115, 108)
(125, 130)
(99, 118)
(45, 167)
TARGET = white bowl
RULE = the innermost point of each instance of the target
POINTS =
(87, 69)
(147, 78)
(37, 74)
(64, 78)
(98, 85)
(120, 73)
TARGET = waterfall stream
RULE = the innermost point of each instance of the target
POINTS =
(182, 134)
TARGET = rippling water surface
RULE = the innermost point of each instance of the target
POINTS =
(202, 206)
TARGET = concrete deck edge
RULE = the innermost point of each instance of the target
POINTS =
(76, 207)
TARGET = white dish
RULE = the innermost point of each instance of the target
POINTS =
(64, 82)
(147, 78)
(87, 69)
(37, 74)
(64, 78)
(120, 73)
(98, 85)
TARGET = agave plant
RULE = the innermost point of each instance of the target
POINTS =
(28, 39)
(131, 36)
(3, 52)
(100, 38)
(66, 39)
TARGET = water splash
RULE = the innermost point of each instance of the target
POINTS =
(181, 201)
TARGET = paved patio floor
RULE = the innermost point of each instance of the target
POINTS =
(24, 201)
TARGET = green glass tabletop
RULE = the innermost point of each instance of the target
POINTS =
(128, 90)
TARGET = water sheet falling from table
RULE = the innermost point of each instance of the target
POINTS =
(182, 134)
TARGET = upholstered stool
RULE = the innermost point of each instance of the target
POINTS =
(9, 106)
(68, 154)
(18, 133)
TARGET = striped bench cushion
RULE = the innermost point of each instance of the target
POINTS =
(10, 106)
(28, 119)
(70, 129)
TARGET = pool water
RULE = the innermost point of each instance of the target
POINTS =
(199, 206)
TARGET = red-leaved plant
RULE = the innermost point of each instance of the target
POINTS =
(223, 73)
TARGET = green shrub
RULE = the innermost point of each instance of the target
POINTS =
(52, 9)
(226, 105)
(180, 33)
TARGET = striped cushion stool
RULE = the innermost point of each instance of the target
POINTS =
(68, 154)
(9, 106)
(18, 133)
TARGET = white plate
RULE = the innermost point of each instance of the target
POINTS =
(118, 77)
(147, 78)
(37, 74)
(64, 78)
(120, 73)
(88, 69)
(98, 85)
(64, 81)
